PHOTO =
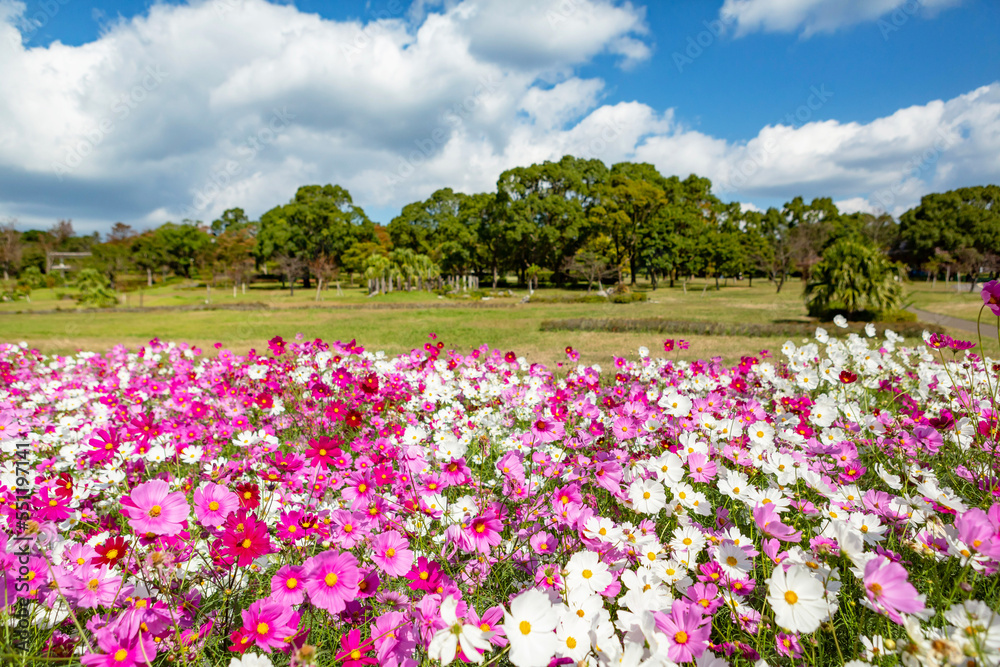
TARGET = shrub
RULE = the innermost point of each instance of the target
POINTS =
(856, 278)
(628, 297)
(94, 289)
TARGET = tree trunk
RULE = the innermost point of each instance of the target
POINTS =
(234, 289)
(750, 278)
(149, 277)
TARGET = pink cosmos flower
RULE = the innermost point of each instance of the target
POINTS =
(484, 533)
(97, 587)
(288, 585)
(686, 629)
(332, 580)
(767, 520)
(392, 554)
(624, 428)
(353, 652)
(888, 590)
(268, 623)
(213, 503)
(547, 431)
(543, 543)
(975, 530)
(152, 509)
(120, 652)
(50, 507)
(788, 645)
(702, 468)
(991, 296)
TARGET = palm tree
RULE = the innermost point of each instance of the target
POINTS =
(377, 268)
(854, 277)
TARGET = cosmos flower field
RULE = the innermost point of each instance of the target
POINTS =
(832, 503)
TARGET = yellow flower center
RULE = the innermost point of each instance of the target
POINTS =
(155, 510)
(587, 574)
(291, 583)
(791, 597)
(570, 643)
(120, 655)
(213, 506)
(524, 627)
(330, 579)
(262, 628)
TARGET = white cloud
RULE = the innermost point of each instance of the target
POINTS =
(815, 16)
(194, 109)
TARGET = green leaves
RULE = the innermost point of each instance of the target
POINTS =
(854, 277)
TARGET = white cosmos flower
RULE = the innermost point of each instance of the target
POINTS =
(587, 574)
(445, 642)
(840, 321)
(251, 660)
(192, 454)
(647, 496)
(733, 560)
(529, 626)
(573, 635)
(797, 599)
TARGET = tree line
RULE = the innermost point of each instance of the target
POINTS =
(568, 221)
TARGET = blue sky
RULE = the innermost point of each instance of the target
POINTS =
(871, 102)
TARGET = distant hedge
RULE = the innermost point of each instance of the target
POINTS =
(697, 328)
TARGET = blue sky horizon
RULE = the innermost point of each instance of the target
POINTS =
(146, 112)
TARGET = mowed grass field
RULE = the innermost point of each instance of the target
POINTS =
(400, 321)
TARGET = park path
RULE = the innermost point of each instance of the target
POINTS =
(988, 330)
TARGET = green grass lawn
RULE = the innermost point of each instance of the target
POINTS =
(399, 330)
(948, 301)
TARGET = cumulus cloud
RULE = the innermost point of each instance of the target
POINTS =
(192, 109)
(815, 16)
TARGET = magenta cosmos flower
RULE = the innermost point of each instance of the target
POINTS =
(268, 623)
(392, 554)
(288, 585)
(120, 651)
(151, 508)
(484, 533)
(213, 503)
(332, 580)
(991, 296)
(888, 590)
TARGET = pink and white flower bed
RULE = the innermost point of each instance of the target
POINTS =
(322, 504)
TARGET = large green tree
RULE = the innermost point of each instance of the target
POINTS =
(544, 209)
(318, 221)
(949, 222)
